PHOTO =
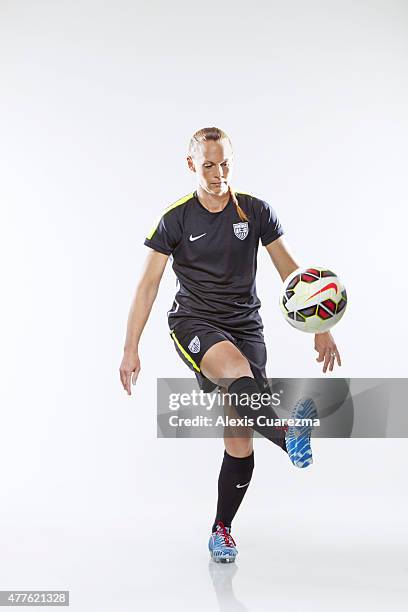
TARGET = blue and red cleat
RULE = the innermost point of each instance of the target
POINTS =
(297, 438)
(221, 545)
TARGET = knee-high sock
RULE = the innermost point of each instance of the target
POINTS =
(233, 481)
(246, 386)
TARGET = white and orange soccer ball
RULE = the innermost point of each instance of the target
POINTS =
(313, 299)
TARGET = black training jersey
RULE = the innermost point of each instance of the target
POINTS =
(215, 259)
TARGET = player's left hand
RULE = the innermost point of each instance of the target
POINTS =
(327, 349)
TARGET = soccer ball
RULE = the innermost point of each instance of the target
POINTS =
(313, 299)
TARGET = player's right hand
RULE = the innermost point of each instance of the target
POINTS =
(129, 369)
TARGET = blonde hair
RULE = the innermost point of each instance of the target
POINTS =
(214, 133)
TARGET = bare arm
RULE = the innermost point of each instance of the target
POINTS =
(281, 257)
(146, 292)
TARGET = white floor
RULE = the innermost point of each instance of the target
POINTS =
(331, 538)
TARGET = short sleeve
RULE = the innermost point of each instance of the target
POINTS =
(165, 234)
(271, 229)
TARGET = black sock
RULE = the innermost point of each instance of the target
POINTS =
(246, 386)
(233, 482)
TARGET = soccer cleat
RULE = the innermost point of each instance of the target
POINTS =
(298, 437)
(221, 545)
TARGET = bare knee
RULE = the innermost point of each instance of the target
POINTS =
(223, 362)
(238, 440)
(236, 369)
(239, 447)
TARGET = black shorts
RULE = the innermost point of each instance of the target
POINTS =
(193, 337)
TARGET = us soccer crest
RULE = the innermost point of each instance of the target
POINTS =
(194, 346)
(241, 230)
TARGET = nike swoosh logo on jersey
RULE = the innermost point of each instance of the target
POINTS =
(329, 286)
(196, 237)
(238, 486)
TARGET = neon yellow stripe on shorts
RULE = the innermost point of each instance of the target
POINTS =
(186, 355)
(166, 210)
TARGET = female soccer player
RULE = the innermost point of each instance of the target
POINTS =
(212, 236)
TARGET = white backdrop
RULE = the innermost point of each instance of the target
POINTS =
(98, 102)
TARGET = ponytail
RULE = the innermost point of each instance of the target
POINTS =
(240, 212)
